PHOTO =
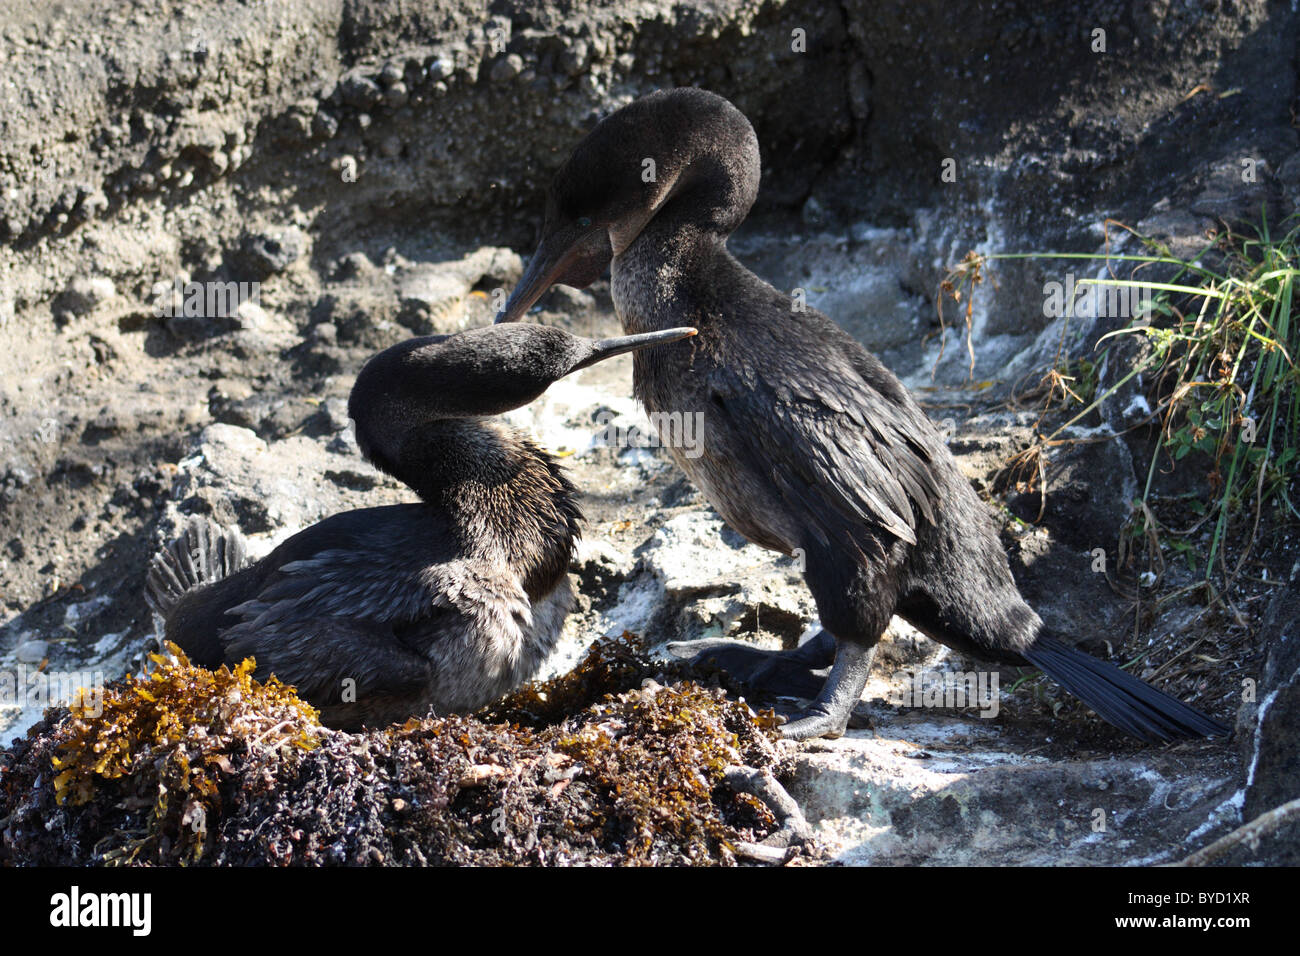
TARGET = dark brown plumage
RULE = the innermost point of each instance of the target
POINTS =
(810, 444)
(446, 604)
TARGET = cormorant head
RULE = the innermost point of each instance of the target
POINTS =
(684, 146)
(471, 374)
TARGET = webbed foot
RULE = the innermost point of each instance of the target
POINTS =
(807, 723)
(829, 714)
(778, 673)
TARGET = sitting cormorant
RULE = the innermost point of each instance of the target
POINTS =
(447, 604)
(809, 443)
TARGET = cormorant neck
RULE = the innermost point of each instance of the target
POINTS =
(507, 499)
(709, 196)
(651, 281)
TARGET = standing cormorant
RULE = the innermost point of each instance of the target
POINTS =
(447, 604)
(809, 443)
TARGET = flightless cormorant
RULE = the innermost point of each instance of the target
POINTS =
(809, 443)
(448, 603)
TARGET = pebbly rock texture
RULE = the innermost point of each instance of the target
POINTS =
(241, 481)
(359, 171)
(696, 577)
(952, 793)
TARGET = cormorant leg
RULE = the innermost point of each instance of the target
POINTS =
(780, 673)
(828, 716)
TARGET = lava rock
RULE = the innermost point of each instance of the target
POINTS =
(31, 652)
(86, 293)
(507, 68)
(265, 253)
(359, 91)
(1268, 728)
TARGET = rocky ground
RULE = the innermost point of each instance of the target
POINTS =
(376, 168)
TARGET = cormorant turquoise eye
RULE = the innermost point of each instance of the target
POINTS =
(584, 222)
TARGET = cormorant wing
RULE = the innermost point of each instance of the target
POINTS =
(362, 595)
(836, 434)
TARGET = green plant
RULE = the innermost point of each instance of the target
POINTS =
(1223, 346)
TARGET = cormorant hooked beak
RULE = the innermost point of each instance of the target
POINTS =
(608, 348)
(574, 256)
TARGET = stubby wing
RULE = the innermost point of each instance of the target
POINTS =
(842, 452)
(364, 596)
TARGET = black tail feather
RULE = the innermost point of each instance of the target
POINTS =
(1130, 704)
(204, 553)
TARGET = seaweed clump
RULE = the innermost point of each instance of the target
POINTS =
(605, 765)
(163, 743)
(609, 667)
(660, 756)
